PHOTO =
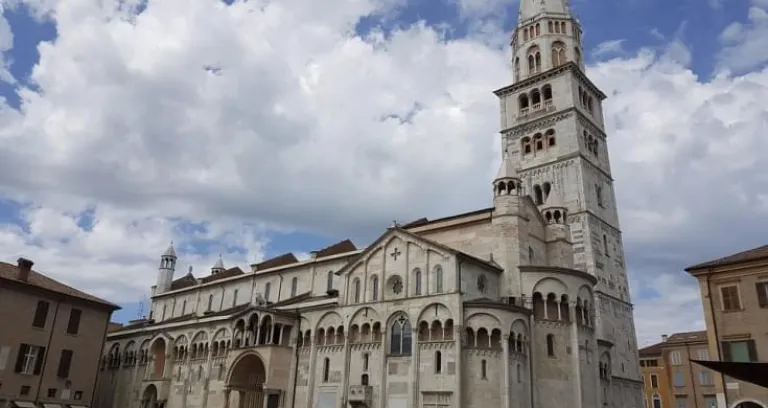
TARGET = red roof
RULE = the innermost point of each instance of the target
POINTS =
(739, 257)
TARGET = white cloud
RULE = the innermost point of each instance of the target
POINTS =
(608, 47)
(744, 44)
(275, 114)
(6, 44)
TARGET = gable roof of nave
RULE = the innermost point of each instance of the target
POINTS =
(397, 230)
(143, 326)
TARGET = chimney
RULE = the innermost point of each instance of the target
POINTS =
(25, 265)
(664, 338)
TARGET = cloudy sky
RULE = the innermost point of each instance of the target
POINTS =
(253, 128)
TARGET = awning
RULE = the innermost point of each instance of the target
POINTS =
(24, 404)
(754, 373)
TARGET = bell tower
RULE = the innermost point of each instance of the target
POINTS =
(553, 134)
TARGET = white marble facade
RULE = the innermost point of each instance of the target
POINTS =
(521, 305)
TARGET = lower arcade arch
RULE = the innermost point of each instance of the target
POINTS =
(245, 384)
(149, 398)
(748, 404)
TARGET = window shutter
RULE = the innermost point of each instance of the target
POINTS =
(752, 351)
(41, 314)
(64, 363)
(762, 293)
(74, 321)
(20, 358)
(726, 350)
(40, 360)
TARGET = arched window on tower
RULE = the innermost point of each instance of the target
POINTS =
(517, 68)
(326, 369)
(438, 362)
(538, 29)
(549, 27)
(538, 141)
(534, 60)
(525, 34)
(523, 102)
(550, 135)
(605, 246)
(526, 145)
(401, 338)
(546, 91)
(558, 54)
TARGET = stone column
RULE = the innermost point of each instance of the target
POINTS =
(207, 383)
(532, 350)
(459, 374)
(415, 362)
(312, 370)
(383, 369)
(575, 360)
(294, 362)
(505, 377)
(345, 372)
(226, 397)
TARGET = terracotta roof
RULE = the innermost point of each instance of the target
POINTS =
(745, 256)
(426, 221)
(221, 275)
(337, 248)
(688, 337)
(280, 260)
(651, 351)
(184, 282)
(11, 272)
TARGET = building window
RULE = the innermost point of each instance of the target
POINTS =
(267, 289)
(482, 283)
(51, 392)
(365, 362)
(550, 345)
(531, 255)
(417, 281)
(438, 362)
(682, 401)
(484, 369)
(605, 246)
(599, 195)
(400, 340)
(654, 381)
(326, 369)
(438, 279)
(674, 358)
(329, 282)
(234, 299)
(24, 390)
(710, 401)
(294, 286)
(729, 295)
(30, 359)
(73, 326)
(41, 314)
(743, 351)
(210, 303)
(375, 288)
(705, 377)
(364, 379)
(65, 361)
(656, 401)
(704, 354)
(762, 293)
(677, 378)
(357, 290)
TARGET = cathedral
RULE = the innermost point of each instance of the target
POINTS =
(524, 304)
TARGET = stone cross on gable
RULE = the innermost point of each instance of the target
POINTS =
(395, 254)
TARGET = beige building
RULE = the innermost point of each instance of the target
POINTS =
(50, 340)
(524, 304)
(734, 292)
(671, 379)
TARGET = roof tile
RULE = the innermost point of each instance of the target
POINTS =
(739, 257)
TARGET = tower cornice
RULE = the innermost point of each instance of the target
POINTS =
(568, 66)
(550, 118)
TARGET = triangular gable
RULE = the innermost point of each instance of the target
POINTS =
(406, 235)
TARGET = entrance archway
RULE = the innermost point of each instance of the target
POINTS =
(247, 380)
(748, 404)
(149, 397)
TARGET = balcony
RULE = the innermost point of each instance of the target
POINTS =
(360, 396)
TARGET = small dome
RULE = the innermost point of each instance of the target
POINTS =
(170, 251)
(219, 265)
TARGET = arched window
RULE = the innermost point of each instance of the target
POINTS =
(526, 142)
(234, 299)
(365, 361)
(484, 369)
(356, 285)
(438, 362)
(326, 369)
(550, 345)
(557, 27)
(329, 282)
(550, 135)
(438, 279)
(599, 194)
(417, 281)
(547, 91)
(558, 54)
(656, 401)
(530, 255)
(523, 102)
(525, 35)
(605, 246)
(538, 141)
(210, 304)
(294, 286)
(517, 68)
(267, 289)
(549, 27)
(375, 288)
(401, 338)
(538, 29)
(364, 379)
(534, 60)
(538, 196)
(577, 53)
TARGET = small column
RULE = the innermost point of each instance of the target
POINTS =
(383, 370)
(575, 361)
(345, 373)
(459, 374)
(414, 374)
(532, 350)
(312, 371)
(289, 393)
(505, 377)
(227, 390)
(207, 383)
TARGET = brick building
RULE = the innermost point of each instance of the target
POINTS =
(51, 336)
